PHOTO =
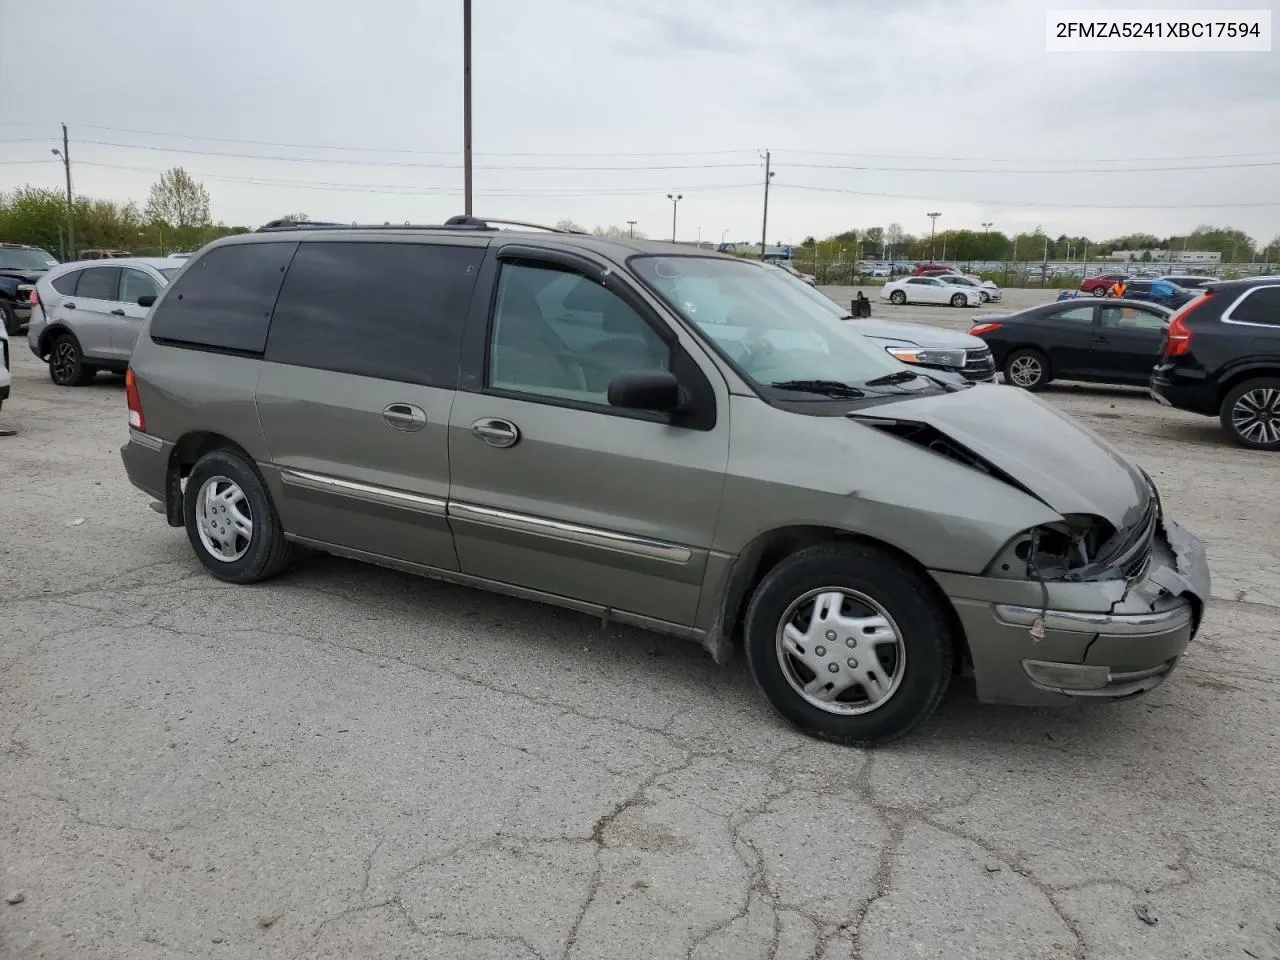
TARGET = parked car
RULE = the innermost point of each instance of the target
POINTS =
(567, 418)
(1163, 292)
(85, 317)
(1188, 282)
(6, 377)
(1096, 341)
(1099, 286)
(21, 266)
(100, 254)
(956, 354)
(931, 269)
(930, 290)
(1221, 357)
(987, 289)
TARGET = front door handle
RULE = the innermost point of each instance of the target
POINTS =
(404, 416)
(1101, 339)
(69, 306)
(496, 432)
(117, 313)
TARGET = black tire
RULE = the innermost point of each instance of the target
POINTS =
(1099, 291)
(267, 551)
(898, 297)
(1019, 364)
(66, 362)
(10, 318)
(983, 296)
(1250, 414)
(909, 601)
(959, 300)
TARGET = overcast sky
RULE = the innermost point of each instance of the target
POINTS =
(656, 96)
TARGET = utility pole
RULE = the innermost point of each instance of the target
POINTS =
(466, 105)
(933, 226)
(65, 155)
(631, 227)
(764, 223)
(675, 199)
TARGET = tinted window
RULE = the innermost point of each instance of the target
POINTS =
(66, 284)
(394, 311)
(135, 284)
(224, 300)
(924, 282)
(1260, 306)
(1074, 315)
(98, 283)
(1139, 286)
(1131, 318)
(558, 334)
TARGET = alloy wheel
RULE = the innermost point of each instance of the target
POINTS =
(1025, 371)
(1256, 415)
(64, 362)
(224, 519)
(841, 651)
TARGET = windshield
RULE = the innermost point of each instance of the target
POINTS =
(18, 258)
(771, 326)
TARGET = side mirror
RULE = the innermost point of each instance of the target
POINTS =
(146, 300)
(645, 390)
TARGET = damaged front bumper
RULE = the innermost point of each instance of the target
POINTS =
(1034, 645)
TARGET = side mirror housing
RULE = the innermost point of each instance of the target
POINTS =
(146, 300)
(646, 390)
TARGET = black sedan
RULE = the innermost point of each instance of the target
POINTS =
(1098, 341)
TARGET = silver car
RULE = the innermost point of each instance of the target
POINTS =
(86, 315)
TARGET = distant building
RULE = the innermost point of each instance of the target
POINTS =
(1201, 258)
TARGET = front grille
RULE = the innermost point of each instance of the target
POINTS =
(978, 364)
(1134, 554)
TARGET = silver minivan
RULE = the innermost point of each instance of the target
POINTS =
(667, 438)
(85, 316)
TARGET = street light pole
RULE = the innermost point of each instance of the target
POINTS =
(986, 225)
(933, 229)
(466, 105)
(631, 227)
(675, 203)
(65, 155)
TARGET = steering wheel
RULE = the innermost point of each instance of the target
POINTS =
(754, 352)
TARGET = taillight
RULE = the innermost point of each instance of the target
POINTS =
(981, 328)
(1178, 337)
(136, 420)
(34, 299)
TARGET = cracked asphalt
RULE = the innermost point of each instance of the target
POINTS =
(348, 762)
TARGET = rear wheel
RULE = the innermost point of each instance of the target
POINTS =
(849, 644)
(66, 363)
(230, 519)
(1251, 414)
(959, 300)
(898, 297)
(1028, 369)
(1099, 291)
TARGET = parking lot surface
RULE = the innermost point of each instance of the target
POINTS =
(348, 762)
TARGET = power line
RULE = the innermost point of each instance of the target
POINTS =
(405, 163)
(903, 156)
(401, 150)
(1055, 170)
(1029, 203)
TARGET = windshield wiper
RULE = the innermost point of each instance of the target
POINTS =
(831, 388)
(898, 376)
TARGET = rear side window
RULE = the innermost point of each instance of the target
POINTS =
(98, 283)
(224, 300)
(1260, 306)
(66, 284)
(394, 311)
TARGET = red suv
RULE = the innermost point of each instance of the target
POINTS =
(1098, 286)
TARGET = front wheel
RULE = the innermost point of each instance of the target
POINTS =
(1251, 414)
(849, 644)
(9, 317)
(1028, 369)
(984, 296)
(898, 297)
(230, 519)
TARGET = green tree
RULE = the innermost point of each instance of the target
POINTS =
(34, 215)
(178, 201)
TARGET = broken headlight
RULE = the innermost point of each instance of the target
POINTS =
(1055, 551)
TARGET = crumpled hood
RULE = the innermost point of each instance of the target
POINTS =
(1061, 461)
(920, 334)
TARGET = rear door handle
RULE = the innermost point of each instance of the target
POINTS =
(1101, 340)
(117, 313)
(496, 432)
(404, 416)
(69, 306)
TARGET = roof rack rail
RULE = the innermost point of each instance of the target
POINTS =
(461, 222)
